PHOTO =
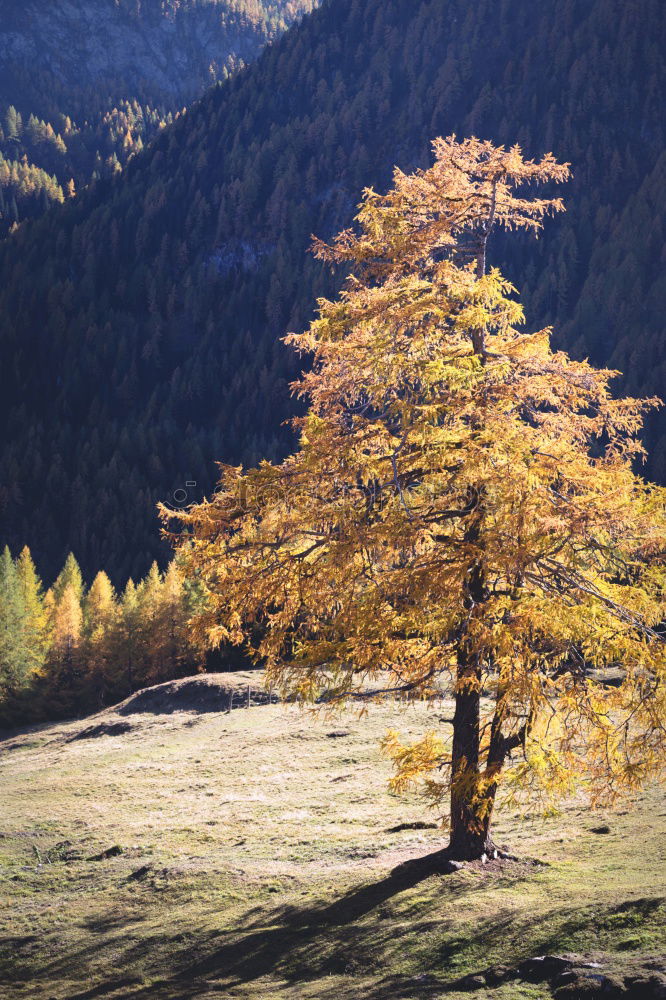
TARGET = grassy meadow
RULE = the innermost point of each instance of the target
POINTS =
(256, 853)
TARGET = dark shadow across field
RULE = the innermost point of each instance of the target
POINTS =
(280, 943)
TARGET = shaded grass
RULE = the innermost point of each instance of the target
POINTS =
(271, 869)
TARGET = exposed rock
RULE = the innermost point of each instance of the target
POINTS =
(649, 986)
(110, 852)
(579, 984)
(238, 254)
(472, 982)
(544, 967)
(572, 978)
(506, 856)
(219, 692)
(90, 42)
(140, 873)
(448, 867)
(498, 974)
(608, 676)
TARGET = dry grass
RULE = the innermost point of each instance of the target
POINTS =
(256, 862)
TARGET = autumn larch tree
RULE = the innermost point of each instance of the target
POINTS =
(65, 665)
(34, 623)
(13, 667)
(100, 626)
(462, 511)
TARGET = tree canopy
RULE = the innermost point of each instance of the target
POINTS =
(462, 510)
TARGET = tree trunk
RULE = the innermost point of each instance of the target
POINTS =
(470, 843)
(471, 802)
(471, 811)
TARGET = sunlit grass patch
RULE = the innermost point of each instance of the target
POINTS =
(255, 859)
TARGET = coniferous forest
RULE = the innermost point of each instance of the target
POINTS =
(72, 649)
(140, 323)
(84, 86)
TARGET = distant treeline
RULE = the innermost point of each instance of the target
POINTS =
(72, 650)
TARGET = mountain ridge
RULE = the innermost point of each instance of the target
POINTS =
(85, 84)
(166, 50)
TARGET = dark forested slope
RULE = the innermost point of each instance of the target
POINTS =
(139, 324)
(84, 84)
(77, 50)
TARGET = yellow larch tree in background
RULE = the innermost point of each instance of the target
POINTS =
(100, 625)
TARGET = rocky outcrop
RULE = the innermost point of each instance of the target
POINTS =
(168, 51)
(574, 977)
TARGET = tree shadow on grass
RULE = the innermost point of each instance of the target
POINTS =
(257, 953)
(280, 943)
(292, 950)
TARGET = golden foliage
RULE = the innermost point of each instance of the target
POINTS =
(442, 443)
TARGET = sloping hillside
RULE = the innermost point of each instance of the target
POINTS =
(140, 325)
(258, 854)
(85, 84)
(167, 51)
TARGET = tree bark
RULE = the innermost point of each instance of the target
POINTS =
(471, 809)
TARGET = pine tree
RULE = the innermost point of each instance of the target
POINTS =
(462, 511)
